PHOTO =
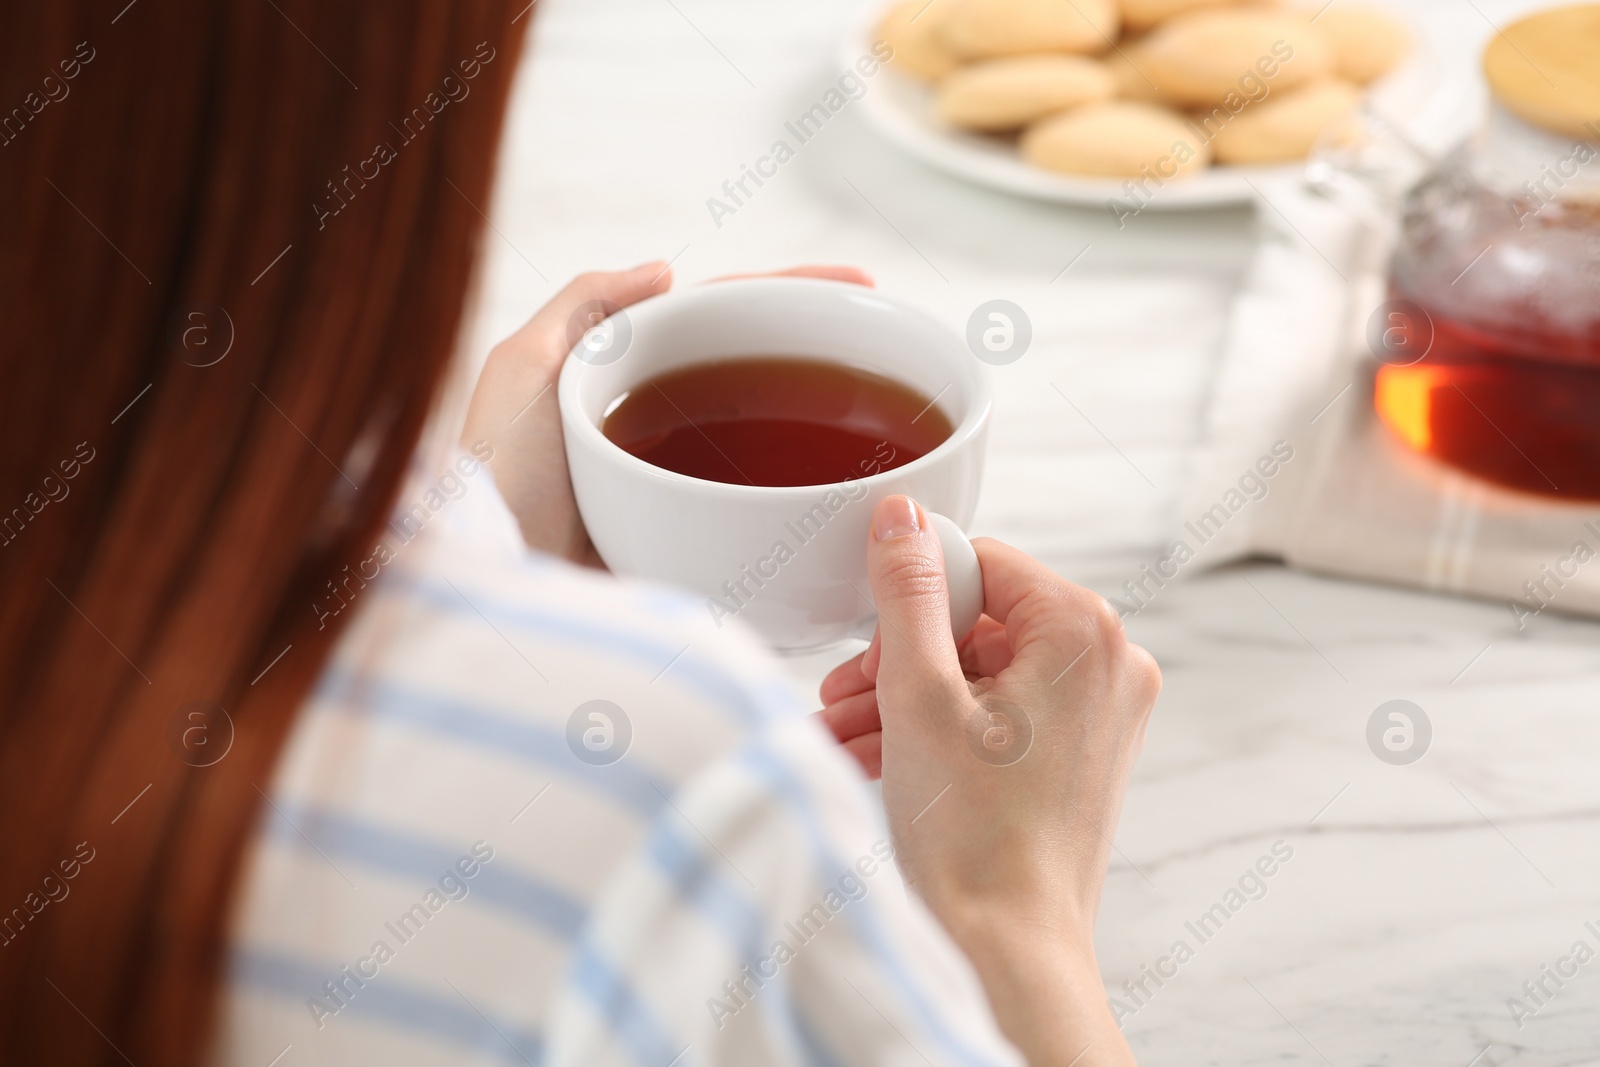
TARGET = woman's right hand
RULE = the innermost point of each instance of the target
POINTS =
(1004, 764)
(514, 407)
(512, 413)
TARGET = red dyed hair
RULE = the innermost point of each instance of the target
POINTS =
(184, 179)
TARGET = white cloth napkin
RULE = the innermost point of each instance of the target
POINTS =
(1296, 372)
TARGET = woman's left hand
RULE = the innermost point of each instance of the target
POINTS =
(514, 407)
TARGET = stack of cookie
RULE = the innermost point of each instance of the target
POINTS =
(1145, 88)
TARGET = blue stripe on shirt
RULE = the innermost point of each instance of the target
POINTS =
(504, 889)
(768, 764)
(812, 1050)
(749, 705)
(393, 1000)
(688, 870)
(626, 1014)
(495, 884)
(696, 881)
(505, 732)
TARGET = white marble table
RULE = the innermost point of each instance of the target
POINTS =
(1418, 898)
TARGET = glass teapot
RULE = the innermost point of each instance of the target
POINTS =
(1489, 346)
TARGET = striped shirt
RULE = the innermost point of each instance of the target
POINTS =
(532, 814)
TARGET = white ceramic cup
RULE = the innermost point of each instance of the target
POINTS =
(790, 560)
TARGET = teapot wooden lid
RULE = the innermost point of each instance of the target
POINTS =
(1545, 69)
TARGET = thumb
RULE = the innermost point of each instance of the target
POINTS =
(917, 655)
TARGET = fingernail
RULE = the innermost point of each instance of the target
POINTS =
(654, 266)
(895, 517)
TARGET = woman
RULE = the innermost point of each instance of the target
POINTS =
(316, 753)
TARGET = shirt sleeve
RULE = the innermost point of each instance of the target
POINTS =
(763, 921)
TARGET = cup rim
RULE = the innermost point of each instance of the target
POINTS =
(574, 422)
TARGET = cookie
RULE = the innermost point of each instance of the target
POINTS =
(980, 29)
(1127, 73)
(911, 28)
(1141, 15)
(1543, 68)
(1202, 58)
(1367, 41)
(1003, 94)
(1116, 139)
(1285, 127)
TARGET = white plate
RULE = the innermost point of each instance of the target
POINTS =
(903, 111)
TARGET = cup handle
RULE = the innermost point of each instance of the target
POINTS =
(962, 575)
(963, 578)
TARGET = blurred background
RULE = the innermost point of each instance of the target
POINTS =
(1424, 888)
